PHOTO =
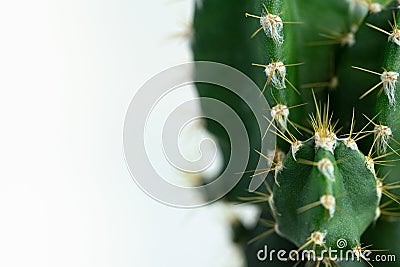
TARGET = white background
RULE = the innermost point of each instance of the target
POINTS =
(68, 70)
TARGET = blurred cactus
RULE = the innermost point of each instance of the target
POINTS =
(334, 174)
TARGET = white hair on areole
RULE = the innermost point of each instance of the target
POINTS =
(389, 80)
(273, 26)
(276, 72)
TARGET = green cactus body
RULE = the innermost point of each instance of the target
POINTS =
(328, 181)
(387, 105)
(331, 186)
(279, 60)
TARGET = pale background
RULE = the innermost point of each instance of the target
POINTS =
(68, 70)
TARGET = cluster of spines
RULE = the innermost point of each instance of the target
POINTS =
(277, 85)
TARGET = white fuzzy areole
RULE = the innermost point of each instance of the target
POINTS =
(395, 37)
(280, 113)
(382, 135)
(329, 203)
(350, 143)
(318, 238)
(273, 26)
(325, 167)
(296, 147)
(276, 72)
(389, 79)
(328, 143)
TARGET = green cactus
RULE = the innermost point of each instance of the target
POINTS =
(326, 184)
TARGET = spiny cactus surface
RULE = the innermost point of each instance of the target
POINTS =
(335, 170)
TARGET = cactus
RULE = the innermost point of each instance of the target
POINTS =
(334, 174)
